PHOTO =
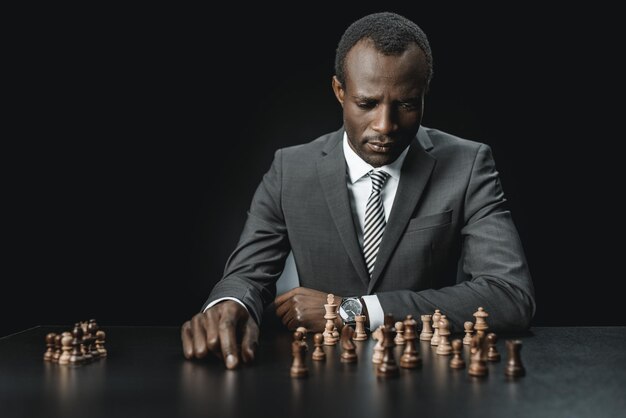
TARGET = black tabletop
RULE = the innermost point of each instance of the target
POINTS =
(570, 372)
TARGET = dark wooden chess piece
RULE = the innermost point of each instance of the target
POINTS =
(76, 358)
(388, 367)
(410, 358)
(298, 349)
(318, 353)
(100, 341)
(92, 328)
(492, 352)
(478, 366)
(348, 353)
(457, 361)
(514, 366)
(49, 346)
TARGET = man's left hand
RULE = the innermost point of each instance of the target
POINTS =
(303, 307)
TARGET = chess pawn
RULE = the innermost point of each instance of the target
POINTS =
(477, 365)
(514, 366)
(436, 317)
(469, 329)
(348, 354)
(318, 353)
(444, 348)
(410, 358)
(57, 348)
(100, 341)
(388, 367)
(360, 334)
(481, 321)
(92, 327)
(76, 357)
(298, 349)
(50, 346)
(66, 348)
(427, 330)
(457, 362)
(492, 352)
(399, 339)
(377, 335)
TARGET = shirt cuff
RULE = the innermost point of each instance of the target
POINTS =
(216, 301)
(374, 311)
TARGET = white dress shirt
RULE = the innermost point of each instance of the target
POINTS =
(359, 189)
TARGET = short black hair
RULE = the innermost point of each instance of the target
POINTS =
(391, 34)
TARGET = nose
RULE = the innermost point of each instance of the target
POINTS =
(384, 120)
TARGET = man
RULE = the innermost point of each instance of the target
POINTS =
(401, 218)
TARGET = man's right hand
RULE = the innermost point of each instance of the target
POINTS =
(217, 330)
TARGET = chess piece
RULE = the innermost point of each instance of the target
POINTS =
(100, 341)
(304, 332)
(399, 339)
(492, 351)
(481, 321)
(50, 346)
(348, 353)
(85, 347)
(298, 349)
(318, 342)
(477, 365)
(57, 348)
(514, 366)
(388, 367)
(427, 330)
(377, 335)
(436, 317)
(92, 328)
(457, 362)
(66, 348)
(444, 348)
(76, 358)
(330, 330)
(360, 334)
(410, 358)
(469, 329)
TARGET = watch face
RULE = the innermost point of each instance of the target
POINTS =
(349, 309)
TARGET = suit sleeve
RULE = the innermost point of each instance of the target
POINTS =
(258, 260)
(493, 272)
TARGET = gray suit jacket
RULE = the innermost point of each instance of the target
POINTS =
(449, 244)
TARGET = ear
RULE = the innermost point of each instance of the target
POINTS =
(338, 89)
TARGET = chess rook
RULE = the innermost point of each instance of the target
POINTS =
(514, 366)
(427, 330)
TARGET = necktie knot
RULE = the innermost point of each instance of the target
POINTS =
(378, 180)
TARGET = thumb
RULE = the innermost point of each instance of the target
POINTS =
(250, 340)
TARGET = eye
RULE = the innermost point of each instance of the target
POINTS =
(366, 104)
(408, 105)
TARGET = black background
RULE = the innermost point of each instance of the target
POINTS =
(134, 140)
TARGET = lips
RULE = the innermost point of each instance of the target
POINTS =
(380, 147)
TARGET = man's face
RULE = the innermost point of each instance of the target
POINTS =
(382, 99)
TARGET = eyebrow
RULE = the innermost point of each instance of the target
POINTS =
(368, 98)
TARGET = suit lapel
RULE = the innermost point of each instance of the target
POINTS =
(332, 174)
(414, 177)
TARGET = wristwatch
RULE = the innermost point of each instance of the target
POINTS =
(349, 309)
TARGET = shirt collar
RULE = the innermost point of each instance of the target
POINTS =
(358, 168)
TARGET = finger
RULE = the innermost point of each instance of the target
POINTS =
(187, 338)
(199, 336)
(280, 299)
(212, 334)
(228, 338)
(250, 341)
(282, 309)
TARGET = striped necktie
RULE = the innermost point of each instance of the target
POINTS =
(374, 220)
